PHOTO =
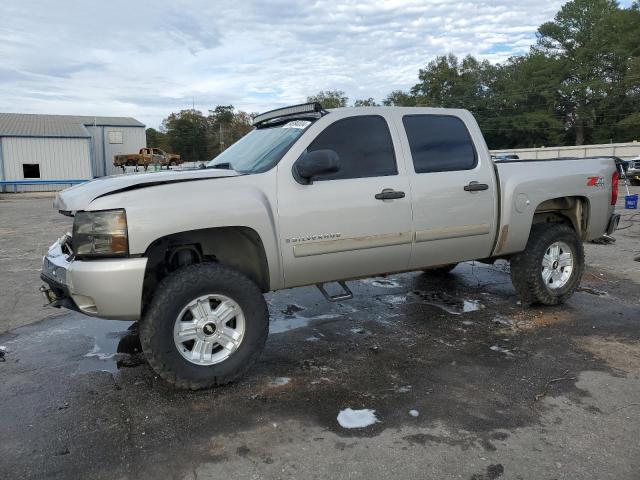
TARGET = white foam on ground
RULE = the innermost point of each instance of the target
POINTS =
(279, 381)
(348, 418)
(471, 306)
(285, 324)
(395, 299)
(384, 283)
(499, 349)
(95, 352)
(404, 389)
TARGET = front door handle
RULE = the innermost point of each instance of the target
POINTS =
(389, 194)
(475, 187)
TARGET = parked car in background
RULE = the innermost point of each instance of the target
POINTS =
(145, 157)
(633, 171)
(309, 197)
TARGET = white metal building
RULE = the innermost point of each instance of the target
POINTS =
(63, 147)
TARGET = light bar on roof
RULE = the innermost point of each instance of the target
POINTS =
(287, 111)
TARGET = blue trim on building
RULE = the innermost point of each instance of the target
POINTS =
(42, 182)
(17, 183)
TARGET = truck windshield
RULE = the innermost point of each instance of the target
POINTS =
(261, 149)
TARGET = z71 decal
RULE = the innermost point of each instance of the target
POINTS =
(595, 182)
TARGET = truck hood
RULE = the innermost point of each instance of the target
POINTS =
(80, 196)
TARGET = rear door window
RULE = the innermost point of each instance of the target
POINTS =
(439, 143)
(363, 145)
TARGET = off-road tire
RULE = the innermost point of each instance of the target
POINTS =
(176, 291)
(526, 267)
(441, 270)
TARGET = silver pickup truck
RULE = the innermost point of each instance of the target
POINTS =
(308, 197)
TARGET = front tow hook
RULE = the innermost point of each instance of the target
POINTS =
(49, 295)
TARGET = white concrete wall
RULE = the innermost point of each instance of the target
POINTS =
(59, 159)
(622, 150)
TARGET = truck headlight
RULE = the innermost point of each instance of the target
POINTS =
(102, 233)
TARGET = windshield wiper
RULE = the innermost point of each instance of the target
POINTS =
(223, 166)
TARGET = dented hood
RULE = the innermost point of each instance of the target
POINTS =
(80, 196)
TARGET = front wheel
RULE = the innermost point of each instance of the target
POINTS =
(206, 325)
(550, 268)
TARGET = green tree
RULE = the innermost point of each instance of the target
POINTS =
(398, 98)
(447, 82)
(330, 98)
(199, 138)
(523, 105)
(156, 139)
(186, 133)
(590, 39)
(367, 102)
(580, 82)
(226, 127)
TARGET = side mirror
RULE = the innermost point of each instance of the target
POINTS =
(312, 164)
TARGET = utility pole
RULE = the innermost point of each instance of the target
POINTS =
(221, 139)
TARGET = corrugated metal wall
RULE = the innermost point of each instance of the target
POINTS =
(622, 150)
(59, 158)
(133, 139)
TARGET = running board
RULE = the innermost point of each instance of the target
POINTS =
(345, 295)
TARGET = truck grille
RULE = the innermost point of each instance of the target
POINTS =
(635, 164)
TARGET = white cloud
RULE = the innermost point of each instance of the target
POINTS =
(145, 59)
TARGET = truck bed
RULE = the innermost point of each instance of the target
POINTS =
(525, 184)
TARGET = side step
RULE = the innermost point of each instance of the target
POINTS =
(345, 295)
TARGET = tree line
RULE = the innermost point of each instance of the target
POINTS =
(578, 84)
(198, 137)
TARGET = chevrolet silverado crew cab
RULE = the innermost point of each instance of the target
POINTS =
(308, 197)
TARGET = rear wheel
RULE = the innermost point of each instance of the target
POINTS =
(441, 270)
(206, 325)
(550, 268)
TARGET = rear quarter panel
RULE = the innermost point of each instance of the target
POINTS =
(524, 185)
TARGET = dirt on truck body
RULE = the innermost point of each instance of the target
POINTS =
(146, 157)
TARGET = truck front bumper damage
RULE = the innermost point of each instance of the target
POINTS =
(107, 288)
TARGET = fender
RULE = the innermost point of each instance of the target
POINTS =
(166, 209)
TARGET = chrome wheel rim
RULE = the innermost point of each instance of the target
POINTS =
(209, 329)
(557, 265)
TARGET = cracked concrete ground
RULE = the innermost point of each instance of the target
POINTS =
(501, 390)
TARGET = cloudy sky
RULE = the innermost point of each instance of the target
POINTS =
(148, 58)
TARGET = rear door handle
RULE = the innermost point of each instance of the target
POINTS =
(389, 194)
(475, 187)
